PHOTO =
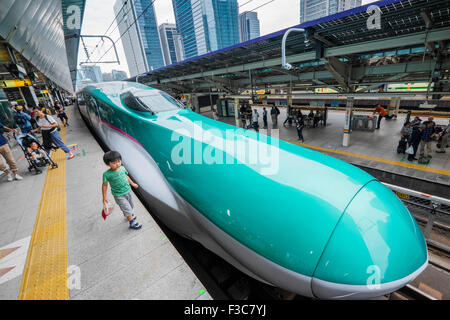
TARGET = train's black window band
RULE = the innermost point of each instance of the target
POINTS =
(131, 102)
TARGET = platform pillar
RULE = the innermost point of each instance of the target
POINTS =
(394, 106)
(236, 112)
(348, 120)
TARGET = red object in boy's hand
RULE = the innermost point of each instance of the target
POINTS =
(107, 210)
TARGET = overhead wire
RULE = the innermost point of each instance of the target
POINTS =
(122, 34)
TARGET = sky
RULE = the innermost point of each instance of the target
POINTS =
(274, 15)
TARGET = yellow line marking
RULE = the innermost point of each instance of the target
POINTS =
(363, 156)
(45, 273)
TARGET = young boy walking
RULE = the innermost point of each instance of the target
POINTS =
(120, 182)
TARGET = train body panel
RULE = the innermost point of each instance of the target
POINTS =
(284, 210)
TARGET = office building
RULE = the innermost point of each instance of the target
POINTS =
(171, 42)
(315, 9)
(140, 40)
(118, 75)
(248, 26)
(206, 25)
(92, 72)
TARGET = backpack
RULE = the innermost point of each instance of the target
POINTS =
(58, 127)
(20, 119)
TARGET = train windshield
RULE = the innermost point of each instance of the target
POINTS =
(158, 102)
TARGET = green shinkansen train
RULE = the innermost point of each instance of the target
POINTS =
(286, 215)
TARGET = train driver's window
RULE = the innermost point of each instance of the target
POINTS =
(157, 101)
(131, 102)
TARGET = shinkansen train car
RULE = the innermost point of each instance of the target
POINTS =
(286, 215)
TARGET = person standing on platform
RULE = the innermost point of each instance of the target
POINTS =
(273, 115)
(382, 113)
(265, 117)
(117, 177)
(425, 140)
(444, 139)
(23, 120)
(255, 118)
(414, 140)
(278, 113)
(300, 125)
(5, 151)
(50, 133)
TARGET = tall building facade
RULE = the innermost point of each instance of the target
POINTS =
(206, 25)
(118, 75)
(92, 72)
(315, 9)
(171, 42)
(140, 40)
(248, 26)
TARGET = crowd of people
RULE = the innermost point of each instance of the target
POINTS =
(29, 123)
(418, 136)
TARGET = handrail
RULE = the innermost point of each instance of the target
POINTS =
(418, 194)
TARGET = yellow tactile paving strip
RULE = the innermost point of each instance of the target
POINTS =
(45, 272)
(363, 156)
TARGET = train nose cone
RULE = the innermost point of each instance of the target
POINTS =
(376, 248)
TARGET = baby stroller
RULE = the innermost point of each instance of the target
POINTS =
(25, 141)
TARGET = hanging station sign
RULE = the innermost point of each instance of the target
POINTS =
(14, 83)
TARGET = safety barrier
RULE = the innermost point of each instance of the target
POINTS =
(435, 203)
(364, 123)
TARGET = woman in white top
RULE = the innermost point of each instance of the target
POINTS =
(50, 133)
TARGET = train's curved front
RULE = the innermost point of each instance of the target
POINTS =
(290, 216)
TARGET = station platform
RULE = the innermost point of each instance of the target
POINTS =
(373, 150)
(54, 243)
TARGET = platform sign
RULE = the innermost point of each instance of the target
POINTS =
(14, 83)
(402, 195)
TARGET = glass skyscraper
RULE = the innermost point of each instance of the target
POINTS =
(248, 26)
(206, 25)
(140, 40)
(315, 9)
(171, 42)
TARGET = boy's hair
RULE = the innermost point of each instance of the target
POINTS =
(111, 156)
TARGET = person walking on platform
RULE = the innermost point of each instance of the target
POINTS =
(265, 117)
(50, 134)
(382, 113)
(23, 120)
(61, 112)
(425, 140)
(300, 125)
(5, 151)
(117, 177)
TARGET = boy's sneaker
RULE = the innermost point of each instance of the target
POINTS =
(134, 224)
(17, 177)
(10, 177)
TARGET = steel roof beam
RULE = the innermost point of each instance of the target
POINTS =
(368, 46)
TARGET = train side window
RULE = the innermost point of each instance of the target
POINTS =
(131, 102)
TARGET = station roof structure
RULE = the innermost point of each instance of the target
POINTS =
(340, 52)
(37, 41)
